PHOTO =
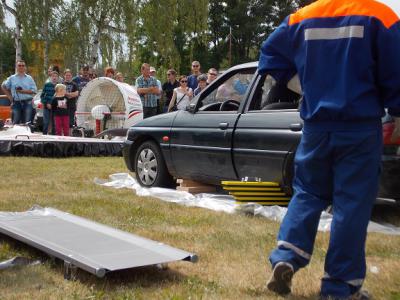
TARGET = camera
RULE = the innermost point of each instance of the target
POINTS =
(18, 88)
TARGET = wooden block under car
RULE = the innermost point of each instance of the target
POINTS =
(194, 187)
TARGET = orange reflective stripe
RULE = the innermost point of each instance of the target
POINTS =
(343, 8)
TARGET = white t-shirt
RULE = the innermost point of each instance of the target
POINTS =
(181, 101)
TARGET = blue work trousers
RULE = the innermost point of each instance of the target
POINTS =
(339, 169)
(22, 111)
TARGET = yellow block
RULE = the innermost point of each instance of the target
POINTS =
(250, 183)
(239, 188)
(256, 199)
(255, 193)
(285, 203)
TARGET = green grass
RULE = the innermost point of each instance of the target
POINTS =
(233, 249)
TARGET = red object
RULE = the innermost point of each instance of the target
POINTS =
(62, 125)
(165, 138)
(98, 126)
(387, 134)
(5, 112)
(40, 105)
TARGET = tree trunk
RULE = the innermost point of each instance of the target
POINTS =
(18, 42)
(46, 38)
(95, 48)
(17, 33)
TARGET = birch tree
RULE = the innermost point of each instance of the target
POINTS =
(106, 18)
(17, 30)
(40, 20)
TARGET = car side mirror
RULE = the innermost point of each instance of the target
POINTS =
(191, 108)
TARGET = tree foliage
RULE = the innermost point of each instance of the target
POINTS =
(165, 33)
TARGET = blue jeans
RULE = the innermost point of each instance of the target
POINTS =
(71, 113)
(47, 116)
(22, 111)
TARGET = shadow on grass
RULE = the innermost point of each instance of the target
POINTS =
(147, 276)
(264, 292)
(144, 277)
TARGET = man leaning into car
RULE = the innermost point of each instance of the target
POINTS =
(346, 54)
(20, 89)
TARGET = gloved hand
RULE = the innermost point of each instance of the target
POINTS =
(396, 132)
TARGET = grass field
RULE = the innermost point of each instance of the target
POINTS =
(232, 249)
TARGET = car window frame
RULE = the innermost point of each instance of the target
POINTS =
(256, 81)
(218, 82)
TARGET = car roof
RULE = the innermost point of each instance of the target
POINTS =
(253, 64)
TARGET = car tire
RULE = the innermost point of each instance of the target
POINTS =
(150, 167)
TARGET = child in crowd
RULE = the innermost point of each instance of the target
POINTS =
(60, 110)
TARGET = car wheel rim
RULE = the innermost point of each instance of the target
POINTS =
(147, 167)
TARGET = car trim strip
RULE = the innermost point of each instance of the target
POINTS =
(259, 151)
(218, 149)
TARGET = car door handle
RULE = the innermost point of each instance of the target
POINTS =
(223, 126)
(296, 127)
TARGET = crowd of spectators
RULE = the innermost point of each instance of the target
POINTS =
(173, 94)
(59, 107)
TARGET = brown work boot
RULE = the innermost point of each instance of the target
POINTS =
(281, 279)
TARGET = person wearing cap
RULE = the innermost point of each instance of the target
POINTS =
(153, 74)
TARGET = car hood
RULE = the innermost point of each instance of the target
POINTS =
(162, 120)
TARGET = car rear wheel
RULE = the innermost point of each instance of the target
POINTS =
(150, 167)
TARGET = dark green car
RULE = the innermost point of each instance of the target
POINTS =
(241, 125)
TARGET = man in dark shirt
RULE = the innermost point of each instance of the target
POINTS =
(192, 79)
(72, 96)
(168, 88)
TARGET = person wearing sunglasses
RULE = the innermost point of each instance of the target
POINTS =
(20, 89)
(181, 95)
(211, 75)
(192, 79)
(168, 88)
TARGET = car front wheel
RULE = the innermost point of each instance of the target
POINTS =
(150, 167)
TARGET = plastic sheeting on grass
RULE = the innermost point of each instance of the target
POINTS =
(17, 262)
(225, 203)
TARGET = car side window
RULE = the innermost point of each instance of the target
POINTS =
(228, 93)
(270, 95)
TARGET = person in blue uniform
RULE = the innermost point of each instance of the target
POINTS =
(346, 55)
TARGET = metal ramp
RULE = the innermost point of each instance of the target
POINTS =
(85, 244)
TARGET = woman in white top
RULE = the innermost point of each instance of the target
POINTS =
(182, 95)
